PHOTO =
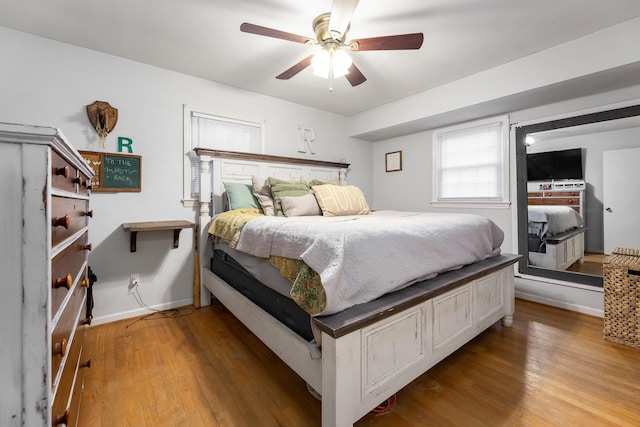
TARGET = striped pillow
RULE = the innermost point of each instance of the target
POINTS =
(338, 200)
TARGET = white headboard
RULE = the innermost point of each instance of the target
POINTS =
(232, 166)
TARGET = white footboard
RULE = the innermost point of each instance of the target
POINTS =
(361, 366)
(365, 367)
(561, 251)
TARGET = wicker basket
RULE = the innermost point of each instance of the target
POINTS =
(621, 276)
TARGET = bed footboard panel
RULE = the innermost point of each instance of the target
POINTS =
(362, 366)
(365, 367)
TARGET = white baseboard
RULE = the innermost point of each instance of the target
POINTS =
(560, 304)
(569, 296)
(140, 312)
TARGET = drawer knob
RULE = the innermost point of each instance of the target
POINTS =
(84, 283)
(63, 221)
(60, 348)
(62, 171)
(86, 321)
(86, 364)
(88, 247)
(62, 282)
(61, 418)
(89, 213)
(79, 180)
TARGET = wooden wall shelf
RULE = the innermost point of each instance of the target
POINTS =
(176, 226)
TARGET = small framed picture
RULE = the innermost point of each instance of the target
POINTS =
(393, 161)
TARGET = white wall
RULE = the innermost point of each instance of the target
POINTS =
(48, 83)
(410, 189)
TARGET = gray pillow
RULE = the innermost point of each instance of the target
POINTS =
(306, 205)
(281, 188)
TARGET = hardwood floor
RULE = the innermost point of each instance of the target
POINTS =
(206, 369)
(592, 264)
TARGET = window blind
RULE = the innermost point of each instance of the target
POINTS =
(470, 163)
(220, 134)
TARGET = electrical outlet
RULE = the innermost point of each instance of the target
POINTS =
(134, 281)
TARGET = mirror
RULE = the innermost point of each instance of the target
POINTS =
(575, 186)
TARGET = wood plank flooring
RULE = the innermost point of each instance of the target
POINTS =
(552, 368)
(592, 264)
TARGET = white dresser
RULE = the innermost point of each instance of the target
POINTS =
(44, 223)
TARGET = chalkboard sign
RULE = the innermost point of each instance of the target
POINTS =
(114, 171)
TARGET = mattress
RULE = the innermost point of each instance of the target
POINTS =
(281, 307)
(339, 262)
(547, 221)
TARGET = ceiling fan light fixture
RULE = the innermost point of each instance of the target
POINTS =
(338, 60)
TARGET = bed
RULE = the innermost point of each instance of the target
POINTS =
(355, 355)
(555, 236)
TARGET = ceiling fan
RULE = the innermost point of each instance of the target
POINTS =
(331, 35)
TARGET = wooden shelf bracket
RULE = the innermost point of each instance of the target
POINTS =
(176, 226)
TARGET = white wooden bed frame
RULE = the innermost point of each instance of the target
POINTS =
(370, 351)
(562, 251)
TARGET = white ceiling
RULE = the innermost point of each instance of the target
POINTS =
(202, 38)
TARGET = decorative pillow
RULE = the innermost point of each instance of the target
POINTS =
(262, 191)
(306, 205)
(281, 188)
(338, 200)
(319, 182)
(240, 196)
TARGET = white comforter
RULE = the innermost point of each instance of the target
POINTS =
(558, 219)
(360, 258)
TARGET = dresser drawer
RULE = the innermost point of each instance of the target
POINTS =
(84, 184)
(562, 194)
(61, 336)
(66, 265)
(70, 384)
(556, 201)
(76, 397)
(68, 216)
(62, 173)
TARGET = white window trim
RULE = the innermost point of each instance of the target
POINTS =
(188, 111)
(504, 202)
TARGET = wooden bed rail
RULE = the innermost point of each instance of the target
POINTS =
(237, 155)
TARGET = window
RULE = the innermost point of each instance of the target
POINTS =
(207, 130)
(470, 164)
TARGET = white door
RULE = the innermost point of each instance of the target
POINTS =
(621, 199)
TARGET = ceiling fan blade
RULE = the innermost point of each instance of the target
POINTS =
(355, 76)
(341, 13)
(287, 74)
(398, 42)
(270, 32)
